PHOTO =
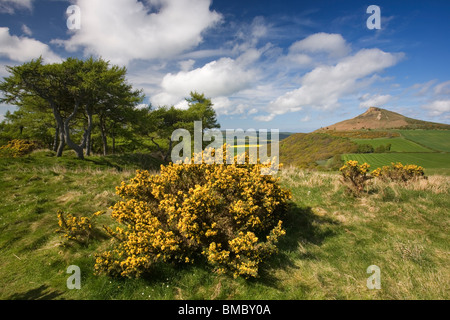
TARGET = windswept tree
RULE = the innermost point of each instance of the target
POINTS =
(110, 97)
(73, 90)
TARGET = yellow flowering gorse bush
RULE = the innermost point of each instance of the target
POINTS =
(75, 228)
(17, 148)
(228, 214)
(355, 175)
(399, 172)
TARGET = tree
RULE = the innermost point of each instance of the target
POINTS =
(108, 95)
(73, 90)
(201, 109)
(164, 120)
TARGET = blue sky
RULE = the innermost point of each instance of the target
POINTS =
(288, 65)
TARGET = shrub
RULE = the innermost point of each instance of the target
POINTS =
(355, 176)
(365, 148)
(17, 148)
(75, 228)
(399, 172)
(228, 214)
(383, 148)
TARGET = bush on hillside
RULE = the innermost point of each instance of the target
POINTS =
(399, 172)
(383, 148)
(231, 215)
(365, 148)
(17, 148)
(355, 176)
(75, 228)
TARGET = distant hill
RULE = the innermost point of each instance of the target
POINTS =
(381, 119)
(309, 149)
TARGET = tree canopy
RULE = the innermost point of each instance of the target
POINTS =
(79, 104)
(73, 91)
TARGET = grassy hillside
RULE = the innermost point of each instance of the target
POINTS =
(304, 150)
(331, 238)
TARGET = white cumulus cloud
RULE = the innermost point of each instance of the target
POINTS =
(219, 78)
(333, 44)
(322, 87)
(23, 49)
(438, 107)
(376, 100)
(123, 30)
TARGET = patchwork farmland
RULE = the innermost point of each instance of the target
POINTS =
(427, 148)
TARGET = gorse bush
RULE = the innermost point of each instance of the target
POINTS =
(355, 175)
(17, 148)
(399, 172)
(76, 228)
(227, 214)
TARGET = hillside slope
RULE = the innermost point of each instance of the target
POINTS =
(377, 119)
(304, 149)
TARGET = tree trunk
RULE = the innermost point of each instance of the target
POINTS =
(60, 126)
(61, 145)
(55, 139)
(77, 148)
(88, 144)
(88, 132)
(113, 143)
(166, 157)
(104, 139)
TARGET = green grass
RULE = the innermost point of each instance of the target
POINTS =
(438, 140)
(397, 144)
(331, 238)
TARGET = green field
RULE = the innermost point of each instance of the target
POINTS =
(427, 148)
(426, 160)
(397, 144)
(435, 139)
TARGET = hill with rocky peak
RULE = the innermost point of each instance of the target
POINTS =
(381, 119)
